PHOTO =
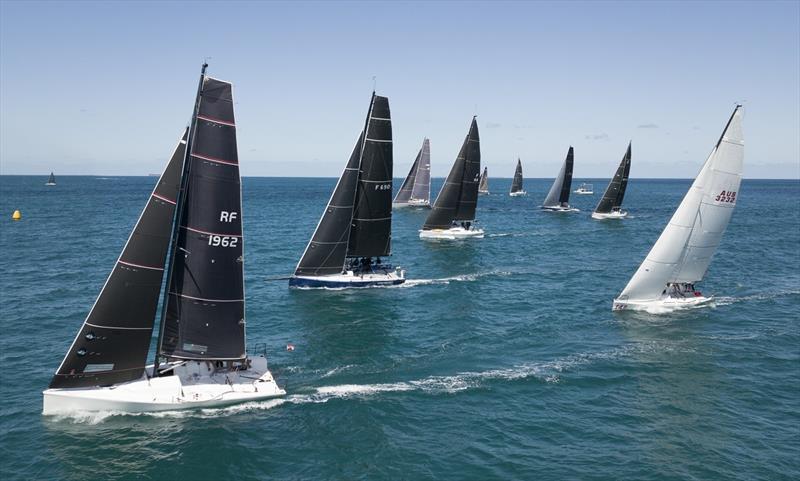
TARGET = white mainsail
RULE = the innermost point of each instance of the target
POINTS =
(683, 251)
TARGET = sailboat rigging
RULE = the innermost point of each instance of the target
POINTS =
(610, 206)
(453, 213)
(416, 188)
(680, 257)
(192, 226)
(355, 230)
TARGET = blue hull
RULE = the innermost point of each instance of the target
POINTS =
(319, 283)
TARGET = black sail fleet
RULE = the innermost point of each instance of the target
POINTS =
(192, 227)
(610, 206)
(353, 237)
(453, 213)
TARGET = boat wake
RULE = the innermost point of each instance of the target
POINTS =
(727, 300)
(448, 280)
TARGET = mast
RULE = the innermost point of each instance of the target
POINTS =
(178, 212)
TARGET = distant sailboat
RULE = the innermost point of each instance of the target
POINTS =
(681, 255)
(416, 189)
(483, 187)
(51, 180)
(558, 197)
(610, 206)
(355, 229)
(453, 212)
(516, 184)
(584, 189)
(192, 226)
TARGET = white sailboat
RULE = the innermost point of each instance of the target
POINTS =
(194, 213)
(558, 197)
(453, 213)
(681, 255)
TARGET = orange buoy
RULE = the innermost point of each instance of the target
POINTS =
(16, 215)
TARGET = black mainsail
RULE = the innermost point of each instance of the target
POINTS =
(357, 219)
(204, 316)
(111, 346)
(615, 192)
(417, 185)
(459, 195)
(516, 184)
(559, 192)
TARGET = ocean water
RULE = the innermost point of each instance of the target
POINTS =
(500, 359)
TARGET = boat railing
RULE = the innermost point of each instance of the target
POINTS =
(258, 349)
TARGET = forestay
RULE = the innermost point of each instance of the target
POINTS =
(683, 251)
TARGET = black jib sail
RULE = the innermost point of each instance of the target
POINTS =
(615, 192)
(371, 230)
(459, 195)
(111, 346)
(205, 311)
(417, 185)
(516, 184)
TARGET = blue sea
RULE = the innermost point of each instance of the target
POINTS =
(500, 359)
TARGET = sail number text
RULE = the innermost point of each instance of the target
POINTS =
(383, 186)
(726, 197)
(222, 240)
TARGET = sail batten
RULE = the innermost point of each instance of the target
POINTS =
(111, 346)
(684, 249)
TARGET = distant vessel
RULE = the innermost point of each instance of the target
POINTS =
(453, 212)
(681, 255)
(610, 206)
(516, 184)
(416, 189)
(201, 361)
(51, 180)
(355, 229)
(483, 187)
(585, 189)
(558, 196)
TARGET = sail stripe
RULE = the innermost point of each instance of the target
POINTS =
(216, 121)
(213, 159)
(138, 265)
(209, 233)
(371, 220)
(163, 198)
(380, 140)
(100, 326)
(204, 299)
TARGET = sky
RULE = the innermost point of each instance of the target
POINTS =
(105, 88)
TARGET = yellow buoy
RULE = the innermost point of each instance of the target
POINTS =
(16, 215)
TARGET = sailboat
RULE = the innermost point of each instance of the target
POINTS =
(453, 212)
(51, 180)
(610, 206)
(558, 197)
(355, 229)
(416, 189)
(516, 184)
(192, 226)
(483, 186)
(681, 255)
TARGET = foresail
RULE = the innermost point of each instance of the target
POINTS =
(564, 178)
(205, 314)
(683, 251)
(484, 185)
(111, 346)
(612, 198)
(444, 208)
(405, 192)
(422, 180)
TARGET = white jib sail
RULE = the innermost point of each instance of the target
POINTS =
(555, 190)
(683, 251)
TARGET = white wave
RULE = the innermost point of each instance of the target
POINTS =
(448, 280)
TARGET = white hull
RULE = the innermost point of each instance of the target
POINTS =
(194, 384)
(412, 203)
(663, 304)
(620, 214)
(350, 279)
(583, 192)
(50, 183)
(558, 208)
(452, 233)
(517, 194)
